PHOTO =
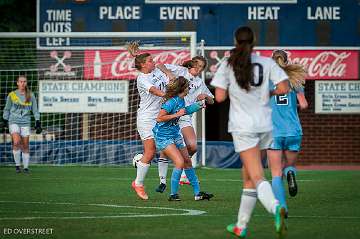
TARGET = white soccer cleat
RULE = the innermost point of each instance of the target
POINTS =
(136, 159)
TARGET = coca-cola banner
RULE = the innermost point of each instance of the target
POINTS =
(320, 64)
(119, 64)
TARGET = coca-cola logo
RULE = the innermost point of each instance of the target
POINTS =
(120, 64)
(320, 64)
(327, 63)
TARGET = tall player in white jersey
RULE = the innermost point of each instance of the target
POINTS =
(151, 84)
(245, 78)
(198, 91)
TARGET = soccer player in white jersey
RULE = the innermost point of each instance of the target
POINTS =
(151, 84)
(198, 91)
(287, 130)
(245, 78)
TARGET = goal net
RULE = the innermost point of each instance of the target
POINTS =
(85, 86)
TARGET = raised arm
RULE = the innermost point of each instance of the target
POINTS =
(167, 72)
(155, 91)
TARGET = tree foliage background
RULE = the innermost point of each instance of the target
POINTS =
(18, 15)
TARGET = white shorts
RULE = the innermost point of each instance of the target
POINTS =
(185, 121)
(244, 141)
(23, 131)
(144, 127)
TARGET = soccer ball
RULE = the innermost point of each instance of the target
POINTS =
(136, 159)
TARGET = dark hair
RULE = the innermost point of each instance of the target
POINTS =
(240, 57)
(194, 62)
(27, 90)
(133, 48)
(176, 87)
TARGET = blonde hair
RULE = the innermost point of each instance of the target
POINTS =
(133, 49)
(27, 90)
(296, 72)
(176, 87)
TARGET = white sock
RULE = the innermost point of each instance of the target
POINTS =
(17, 154)
(142, 169)
(26, 159)
(266, 196)
(247, 205)
(163, 165)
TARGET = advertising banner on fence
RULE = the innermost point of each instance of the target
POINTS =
(337, 97)
(119, 64)
(320, 64)
(60, 64)
(65, 96)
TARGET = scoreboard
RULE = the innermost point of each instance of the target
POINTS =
(304, 23)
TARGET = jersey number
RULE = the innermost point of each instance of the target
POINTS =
(282, 100)
(257, 82)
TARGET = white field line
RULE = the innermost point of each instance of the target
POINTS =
(181, 212)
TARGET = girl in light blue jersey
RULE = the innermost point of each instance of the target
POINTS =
(169, 140)
(287, 132)
(198, 91)
(17, 116)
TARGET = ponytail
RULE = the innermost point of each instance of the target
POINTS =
(133, 49)
(295, 72)
(240, 57)
(27, 95)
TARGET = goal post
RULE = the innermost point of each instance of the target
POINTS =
(85, 87)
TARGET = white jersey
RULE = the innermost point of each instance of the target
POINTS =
(196, 85)
(150, 104)
(250, 111)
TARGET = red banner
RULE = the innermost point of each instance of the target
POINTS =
(119, 64)
(320, 64)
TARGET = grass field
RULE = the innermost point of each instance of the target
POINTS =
(97, 202)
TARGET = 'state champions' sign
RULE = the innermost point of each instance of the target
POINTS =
(67, 96)
(337, 97)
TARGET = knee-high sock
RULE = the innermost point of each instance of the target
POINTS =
(247, 205)
(175, 178)
(290, 168)
(279, 191)
(266, 196)
(163, 165)
(26, 159)
(17, 155)
(193, 179)
(142, 169)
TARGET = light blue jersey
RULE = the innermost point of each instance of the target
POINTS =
(168, 132)
(284, 115)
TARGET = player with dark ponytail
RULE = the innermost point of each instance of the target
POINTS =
(245, 78)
